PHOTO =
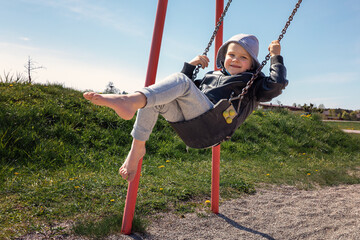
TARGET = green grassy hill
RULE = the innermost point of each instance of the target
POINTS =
(60, 156)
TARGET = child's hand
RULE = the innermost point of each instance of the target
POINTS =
(200, 60)
(274, 48)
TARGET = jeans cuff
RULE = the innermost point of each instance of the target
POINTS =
(139, 135)
(150, 97)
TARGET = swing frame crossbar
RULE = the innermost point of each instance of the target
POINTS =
(130, 203)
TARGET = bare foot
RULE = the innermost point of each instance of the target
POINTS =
(124, 105)
(129, 168)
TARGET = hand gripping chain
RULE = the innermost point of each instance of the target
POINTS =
(218, 24)
(251, 81)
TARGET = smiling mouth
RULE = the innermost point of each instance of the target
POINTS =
(234, 66)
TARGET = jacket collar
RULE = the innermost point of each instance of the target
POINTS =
(226, 73)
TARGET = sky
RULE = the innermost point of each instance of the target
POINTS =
(85, 44)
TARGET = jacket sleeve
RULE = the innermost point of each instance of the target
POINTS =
(188, 70)
(270, 87)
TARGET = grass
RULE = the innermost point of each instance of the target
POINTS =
(60, 156)
(8, 77)
(345, 124)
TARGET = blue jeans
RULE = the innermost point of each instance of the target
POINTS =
(176, 98)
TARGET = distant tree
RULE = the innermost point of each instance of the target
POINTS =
(30, 66)
(306, 107)
(312, 107)
(345, 115)
(353, 116)
(321, 106)
(110, 88)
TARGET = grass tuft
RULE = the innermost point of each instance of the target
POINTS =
(106, 225)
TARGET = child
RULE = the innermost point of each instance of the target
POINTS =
(177, 98)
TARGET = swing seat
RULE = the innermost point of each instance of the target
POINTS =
(209, 129)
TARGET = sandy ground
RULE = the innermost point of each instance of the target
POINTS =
(351, 131)
(272, 213)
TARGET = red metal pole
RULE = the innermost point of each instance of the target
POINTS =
(215, 174)
(130, 203)
(156, 42)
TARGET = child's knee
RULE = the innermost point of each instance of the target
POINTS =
(183, 80)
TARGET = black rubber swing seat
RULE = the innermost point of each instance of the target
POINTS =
(209, 129)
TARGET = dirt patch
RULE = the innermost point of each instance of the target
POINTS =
(272, 213)
(351, 131)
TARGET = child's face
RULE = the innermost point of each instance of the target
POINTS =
(237, 59)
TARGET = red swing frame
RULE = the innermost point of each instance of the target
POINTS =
(150, 79)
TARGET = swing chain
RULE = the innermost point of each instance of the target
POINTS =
(289, 20)
(218, 24)
(267, 58)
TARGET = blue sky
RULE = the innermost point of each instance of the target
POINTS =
(85, 44)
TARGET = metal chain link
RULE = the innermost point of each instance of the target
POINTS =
(251, 81)
(218, 24)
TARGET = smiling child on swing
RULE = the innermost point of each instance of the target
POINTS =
(177, 98)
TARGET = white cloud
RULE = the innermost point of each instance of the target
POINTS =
(26, 39)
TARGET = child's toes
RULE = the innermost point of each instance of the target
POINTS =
(88, 95)
(123, 172)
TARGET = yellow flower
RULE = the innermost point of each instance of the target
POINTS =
(161, 189)
(161, 166)
(168, 161)
(207, 202)
(268, 174)
(112, 200)
(76, 187)
(11, 85)
(71, 179)
(309, 174)
(16, 173)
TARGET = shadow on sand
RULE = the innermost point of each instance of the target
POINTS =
(242, 228)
